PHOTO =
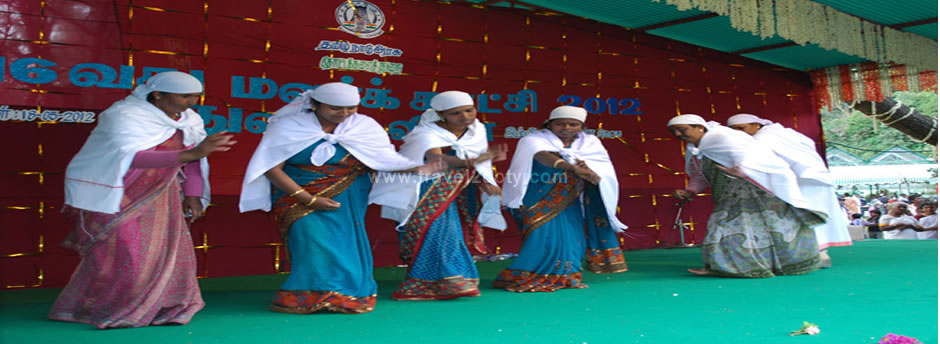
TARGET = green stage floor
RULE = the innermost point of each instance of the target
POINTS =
(874, 288)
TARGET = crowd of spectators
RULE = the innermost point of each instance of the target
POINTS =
(893, 217)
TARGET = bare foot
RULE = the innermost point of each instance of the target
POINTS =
(826, 261)
(699, 272)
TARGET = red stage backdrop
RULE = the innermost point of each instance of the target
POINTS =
(65, 61)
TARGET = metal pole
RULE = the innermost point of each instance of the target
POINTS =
(677, 224)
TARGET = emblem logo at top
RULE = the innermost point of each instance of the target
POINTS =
(360, 18)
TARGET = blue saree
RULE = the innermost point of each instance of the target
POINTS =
(556, 236)
(331, 260)
(434, 242)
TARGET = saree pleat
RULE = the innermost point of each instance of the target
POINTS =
(604, 255)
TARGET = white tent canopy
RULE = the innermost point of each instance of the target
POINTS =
(916, 178)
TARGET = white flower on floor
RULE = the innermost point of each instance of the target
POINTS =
(808, 328)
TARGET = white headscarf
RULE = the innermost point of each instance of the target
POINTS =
(337, 94)
(689, 119)
(332, 93)
(733, 148)
(797, 149)
(171, 82)
(94, 179)
(743, 118)
(399, 196)
(293, 128)
(567, 111)
(445, 101)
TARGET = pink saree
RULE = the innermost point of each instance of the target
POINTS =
(138, 266)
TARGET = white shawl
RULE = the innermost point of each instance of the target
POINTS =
(94, 179)
(730, 148)
(399, 195)
(797, 149)
(294, 129)
(585, 147)
(815, 182)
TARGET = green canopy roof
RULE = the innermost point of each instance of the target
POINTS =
(712, 31)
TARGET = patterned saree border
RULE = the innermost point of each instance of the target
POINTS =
(416, 289)
(469, 209)
(522, 281)
(309, 301)
(337, 179)
(556, 200)
(606, 261)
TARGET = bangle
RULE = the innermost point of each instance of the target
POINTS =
(555, 165)
(295, 193)
(312, 201)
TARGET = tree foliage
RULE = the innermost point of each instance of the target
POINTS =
(865, 137)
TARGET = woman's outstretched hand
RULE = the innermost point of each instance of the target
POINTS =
(495, 153)
(432, 167)
(500, 152)
(218, 142)
(683, 194)
(325, 203)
